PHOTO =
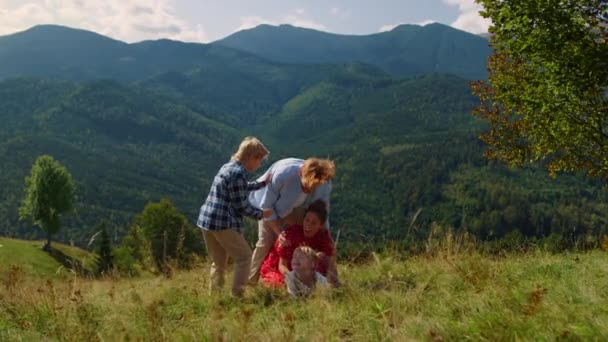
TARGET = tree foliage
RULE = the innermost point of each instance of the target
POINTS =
(50, 193)
(546, 98)
(168, 233)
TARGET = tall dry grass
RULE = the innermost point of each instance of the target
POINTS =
(451, 292)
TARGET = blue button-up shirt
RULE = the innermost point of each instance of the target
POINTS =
(285, 188)
(227, 201)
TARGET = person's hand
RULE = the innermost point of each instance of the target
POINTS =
(283, 242)
(266, 213)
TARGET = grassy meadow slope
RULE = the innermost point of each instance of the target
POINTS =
(438, 296)
(33, 263)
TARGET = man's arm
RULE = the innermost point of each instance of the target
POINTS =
(324, 193)
(275, 225)
(270, 196)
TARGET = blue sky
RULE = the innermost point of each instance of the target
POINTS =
(209, 20)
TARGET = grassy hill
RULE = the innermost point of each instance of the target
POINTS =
(448, 294)
(35, 264)
(404, 51)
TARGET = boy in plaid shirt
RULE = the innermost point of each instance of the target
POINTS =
(221, 216)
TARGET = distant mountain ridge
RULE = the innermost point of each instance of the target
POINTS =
(404, 51)
(74, 54)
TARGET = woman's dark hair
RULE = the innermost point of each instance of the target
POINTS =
(320, 209)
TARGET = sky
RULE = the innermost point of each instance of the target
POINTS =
(204, 21)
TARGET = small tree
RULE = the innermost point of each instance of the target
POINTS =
(50, 193)
(168, 232)
(105, 262)
(547, 94)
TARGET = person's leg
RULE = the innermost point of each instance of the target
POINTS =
(219, 259)
(237, 247)
(266, 239)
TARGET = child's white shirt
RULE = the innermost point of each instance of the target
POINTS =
(297, 288)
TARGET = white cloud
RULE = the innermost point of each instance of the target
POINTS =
(127, 20)
(469, 18)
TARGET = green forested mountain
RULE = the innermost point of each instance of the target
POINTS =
(404, 51)
(247, 92)
(49, 50)
(71, 54)
(407, 145)
(164, 126)
(124, 147)
(61, 52)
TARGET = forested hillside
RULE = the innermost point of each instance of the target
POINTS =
(405, 148)
(123, 146)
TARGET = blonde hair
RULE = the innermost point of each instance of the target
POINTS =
(310, 253)
(317, 171)
(250, 147)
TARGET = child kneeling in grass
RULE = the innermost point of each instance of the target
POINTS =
(221, 216)
(303, 278)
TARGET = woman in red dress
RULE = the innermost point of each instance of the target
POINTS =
(311, 233)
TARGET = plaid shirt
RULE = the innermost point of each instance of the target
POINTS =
(227, 200)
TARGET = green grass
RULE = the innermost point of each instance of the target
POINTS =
(34, 262)
(448, 296)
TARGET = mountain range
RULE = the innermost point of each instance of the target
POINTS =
(56, 51)
(406, 50)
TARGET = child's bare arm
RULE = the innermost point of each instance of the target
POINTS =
(283, 267)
